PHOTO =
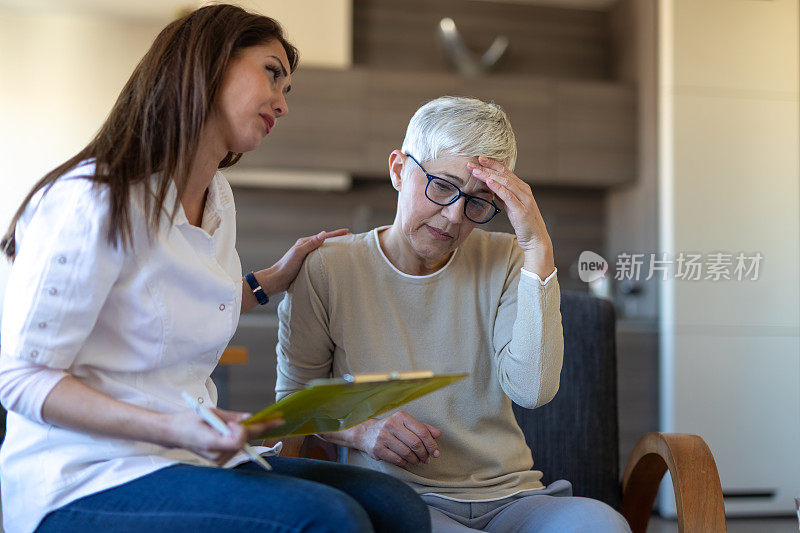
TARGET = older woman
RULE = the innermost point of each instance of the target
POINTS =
(432, 292)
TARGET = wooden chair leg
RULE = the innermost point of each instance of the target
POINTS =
(698, 492)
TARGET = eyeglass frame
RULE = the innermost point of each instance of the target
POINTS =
(461, 193)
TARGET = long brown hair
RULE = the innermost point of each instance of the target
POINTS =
(155, 124)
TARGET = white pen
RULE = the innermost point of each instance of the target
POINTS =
(215, 422)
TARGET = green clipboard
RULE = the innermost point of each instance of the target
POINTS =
(327, 405)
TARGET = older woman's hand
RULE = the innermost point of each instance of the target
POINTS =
(399, 439)
(524, 214)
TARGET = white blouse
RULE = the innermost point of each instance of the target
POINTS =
(140, 325)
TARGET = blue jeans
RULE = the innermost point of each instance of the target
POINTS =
(298, 495)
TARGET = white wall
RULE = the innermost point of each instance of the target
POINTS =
(730, 181)
(62, 65)
(321, 29)
(59, 75)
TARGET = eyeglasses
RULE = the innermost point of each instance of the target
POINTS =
(442, 192)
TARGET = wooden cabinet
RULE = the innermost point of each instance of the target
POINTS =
(568, 132)
(593, 133)
(324, 127)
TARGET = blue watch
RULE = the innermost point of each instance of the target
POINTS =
(259, 293)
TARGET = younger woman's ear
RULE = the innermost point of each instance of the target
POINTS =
(396, 162)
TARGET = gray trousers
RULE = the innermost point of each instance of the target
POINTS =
(550, 510)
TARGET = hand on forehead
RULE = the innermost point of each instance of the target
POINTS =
(455, 169)
(485, 168)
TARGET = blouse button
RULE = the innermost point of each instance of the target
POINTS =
(221, 307)
(42, 325)
(52, 291)
(61, 259)
(200, 399)
(34, 354)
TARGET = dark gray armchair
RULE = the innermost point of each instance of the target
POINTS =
(575, 436)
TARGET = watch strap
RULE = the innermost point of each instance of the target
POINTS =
(258, 292)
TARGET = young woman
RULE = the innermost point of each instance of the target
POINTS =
(125, 289)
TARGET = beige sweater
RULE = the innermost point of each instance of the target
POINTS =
(350, 310)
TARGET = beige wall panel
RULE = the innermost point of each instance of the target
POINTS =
(735, 421)
(742, 45)
(321, 29)
(731, 183)
(737, 190)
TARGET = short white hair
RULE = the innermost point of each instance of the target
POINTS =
(451, 125)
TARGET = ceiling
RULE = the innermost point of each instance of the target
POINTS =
(167, 9)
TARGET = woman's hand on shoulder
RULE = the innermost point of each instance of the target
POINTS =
(189, 431)
(279, 277)
(283, 272)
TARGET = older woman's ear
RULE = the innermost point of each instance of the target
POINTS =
(396, 162)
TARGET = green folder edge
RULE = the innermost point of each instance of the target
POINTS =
(328, 405)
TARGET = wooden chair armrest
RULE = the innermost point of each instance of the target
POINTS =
(698, 492)
(310, 447)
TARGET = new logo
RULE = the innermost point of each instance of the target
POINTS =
(591, 266)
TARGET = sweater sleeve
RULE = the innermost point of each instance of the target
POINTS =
(305, 348)
(528, 337)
